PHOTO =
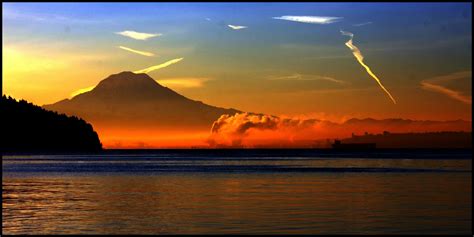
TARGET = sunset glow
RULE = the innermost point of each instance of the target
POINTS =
(282, 60)
(236, 118)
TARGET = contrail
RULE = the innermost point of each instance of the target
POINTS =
(360, 58)
(137, 51)
(156, 67)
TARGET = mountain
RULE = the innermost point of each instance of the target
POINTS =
(131, 110)
(30, 128)
(129, 100)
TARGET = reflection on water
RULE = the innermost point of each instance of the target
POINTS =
(242, 202)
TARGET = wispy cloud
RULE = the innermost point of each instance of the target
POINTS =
(431, 85)
(156, 67)
(360, 58)
(183, 82)
(208, 19)
(417, 45)
(80, 91)
(363, 24)
(49, 18)
(137, 35)
(234, 27)
(303, 77)
(443, 90)
(451, 77)
(137, 51)
(311, 19)
(326, 57)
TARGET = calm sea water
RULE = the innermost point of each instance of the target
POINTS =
(238, 192)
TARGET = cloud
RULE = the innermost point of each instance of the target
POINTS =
(208, 19)
(240, 123)
(347, 33)
(303, 77)
(443, 90)
(431, 85)
(360, 58)
(49, 18)
(326, 57)
(237, 27)
(137, 35)
(363, 24)
(229, 130)
(451, 77)
(311, 19)
(261, 130)
(137, 51)
(80, 91)
(156, 67)
(418, 45)
(251, 130)
(183, 82)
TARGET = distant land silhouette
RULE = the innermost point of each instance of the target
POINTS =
(134, 100)
(30, 128)
(414, 140)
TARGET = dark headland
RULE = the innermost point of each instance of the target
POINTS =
(29, 128)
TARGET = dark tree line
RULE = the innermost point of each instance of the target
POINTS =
(30, 128)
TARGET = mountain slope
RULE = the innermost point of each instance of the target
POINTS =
(134, 100)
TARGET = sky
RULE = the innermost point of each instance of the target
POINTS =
(252, 56)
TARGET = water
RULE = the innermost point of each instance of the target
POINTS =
(239, 192)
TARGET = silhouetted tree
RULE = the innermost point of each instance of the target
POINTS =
(27, 127)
